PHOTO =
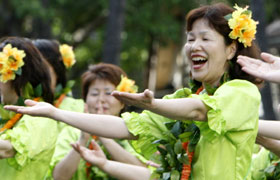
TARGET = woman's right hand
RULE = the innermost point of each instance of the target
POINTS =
(95, 157)
(33, 108)
(142, 100)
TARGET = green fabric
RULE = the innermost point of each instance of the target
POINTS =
(225, 148)
(260, 161)
(150, 127)
(68, 135)
(33, 139)
(70, 104)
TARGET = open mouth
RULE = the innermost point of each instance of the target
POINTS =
(198, 62)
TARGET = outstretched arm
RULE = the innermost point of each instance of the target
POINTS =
(269, 129)
(100, 125)
(269, 69)
(118, 153)
(270, 144)
(116, 169)
(6, 149)
(179, 109)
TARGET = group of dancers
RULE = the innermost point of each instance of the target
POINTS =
(205, 132)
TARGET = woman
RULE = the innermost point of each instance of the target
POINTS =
(228, 130)
(57, 56)
(26, 146)
(97, 84)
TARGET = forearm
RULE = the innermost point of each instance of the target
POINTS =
(99, 125)
(269, 129)
(271, 144)
(180, 109)
(6, 149)
(66, 168)
(118, 153)
(126, 171)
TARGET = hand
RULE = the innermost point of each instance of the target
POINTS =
(95, 157)
(141, 100)
(269, 69)
(34, 108)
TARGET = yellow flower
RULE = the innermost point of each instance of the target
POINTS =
(7, 74)
(68, 55)
(127, 85)
(11, 60)
(243, 26)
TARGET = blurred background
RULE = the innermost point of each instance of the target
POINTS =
(144, 37)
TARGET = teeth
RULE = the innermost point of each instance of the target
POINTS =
(198, 59)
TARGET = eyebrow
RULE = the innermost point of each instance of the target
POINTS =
(200, 33)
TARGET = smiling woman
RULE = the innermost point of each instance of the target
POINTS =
(210, 128)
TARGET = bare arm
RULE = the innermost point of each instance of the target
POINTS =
(100, 125)
(179, 109)
(118, 153)
(66, 168)
(6, 149)
(116, 169)
(269, 129)
(270, 144)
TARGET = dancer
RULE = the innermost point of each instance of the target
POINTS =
(228, 130)
(27, 143)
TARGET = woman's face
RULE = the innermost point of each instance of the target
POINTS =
(100, 100)
(8, 94)
(207, 53)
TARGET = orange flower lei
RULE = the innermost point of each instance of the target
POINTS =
(14, 120)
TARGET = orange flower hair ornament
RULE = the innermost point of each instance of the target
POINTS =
(242, 25)
(11, 61)
(127, 85)
(68, 55)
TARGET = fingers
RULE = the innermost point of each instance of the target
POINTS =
(149, 94)
(95, 145)
(247, 61)
(30, 102)
(269, 58)
(12, 107)
(76, 147)
(252, 72)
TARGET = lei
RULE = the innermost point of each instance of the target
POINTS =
(8, 119)
(175, 155)
(60, 92)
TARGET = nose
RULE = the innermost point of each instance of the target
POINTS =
(101, 97)
(196, 45)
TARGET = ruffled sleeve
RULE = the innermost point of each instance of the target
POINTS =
(31, 137)
(150, 127)
(233, 108)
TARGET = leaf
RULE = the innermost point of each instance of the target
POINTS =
(20, 101)
(176, 129)
(166, 176)
(183, 158)
(175, 175)
(38, 91)
(58, 91)
(19, 71)
(178, 147)
(159, 141)
(27, 91)
(185, 136)
(169, 125)
(228, 17)
(69, 86)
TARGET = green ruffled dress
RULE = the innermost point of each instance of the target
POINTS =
(225, 147)
(33, 139)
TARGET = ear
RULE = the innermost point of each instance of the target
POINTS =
(231, 50)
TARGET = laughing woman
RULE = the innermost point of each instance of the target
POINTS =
(26, 143)
(223, 103)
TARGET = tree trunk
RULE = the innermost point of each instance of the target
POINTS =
(258, 10)
(112, 45)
